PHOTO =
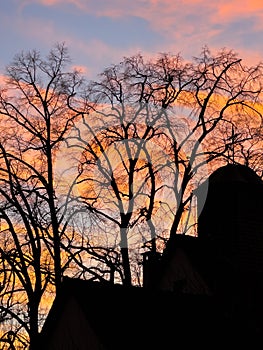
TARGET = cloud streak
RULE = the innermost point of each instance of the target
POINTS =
(101, 32)
(200, 21)
(160, 10)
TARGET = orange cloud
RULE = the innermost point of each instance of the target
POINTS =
(228, 10)
(80, 69)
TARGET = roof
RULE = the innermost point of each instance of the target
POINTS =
(228, 180)
(138, 318)
(197, 251)
(235, 173)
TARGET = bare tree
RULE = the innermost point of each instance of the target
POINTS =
(156, 128)
(34, 120)
(91, 177)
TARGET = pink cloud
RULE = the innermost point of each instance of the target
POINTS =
(166, 15)
(2, 80)
(186, 25)
(78, 3)
(161, 10)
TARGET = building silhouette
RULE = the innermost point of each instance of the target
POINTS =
(231, 223)
(206, 290)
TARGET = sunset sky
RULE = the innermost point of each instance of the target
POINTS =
(101, 32)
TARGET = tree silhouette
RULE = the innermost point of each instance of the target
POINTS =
(92, 175)
(158, 128)
(34, 120)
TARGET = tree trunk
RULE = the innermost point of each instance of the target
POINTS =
(33, 333)
(126, 266)
(125, 256)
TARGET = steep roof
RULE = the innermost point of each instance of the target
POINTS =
(198, 253)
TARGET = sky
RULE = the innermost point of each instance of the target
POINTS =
(99, 33)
